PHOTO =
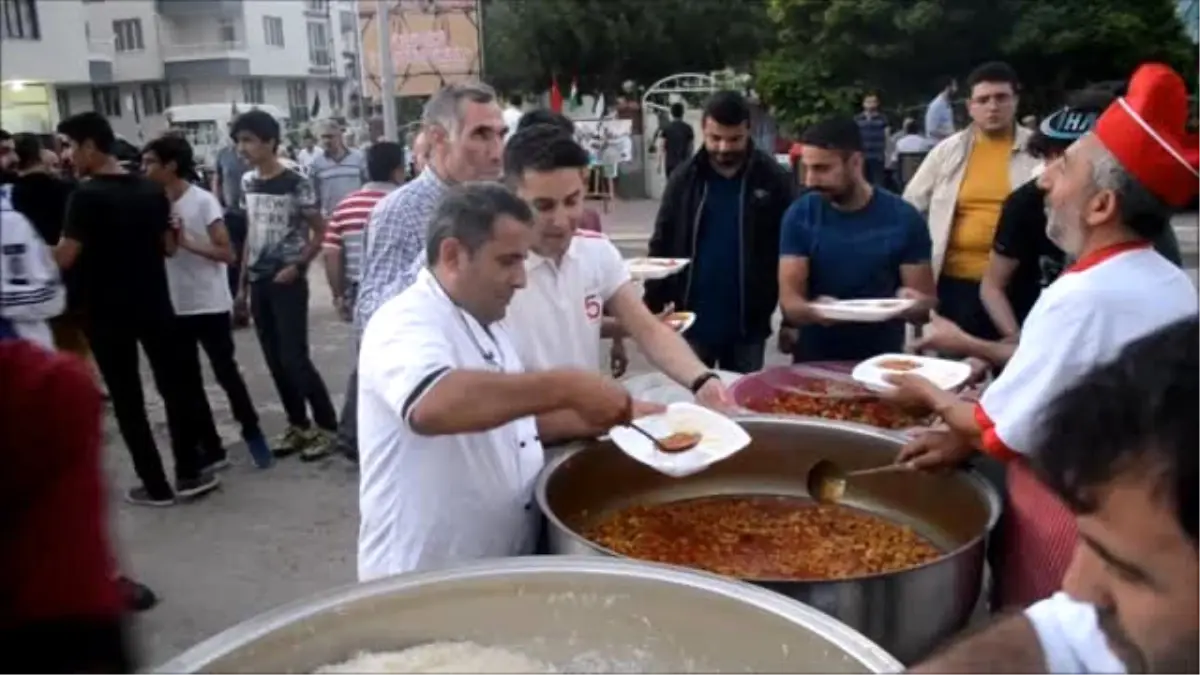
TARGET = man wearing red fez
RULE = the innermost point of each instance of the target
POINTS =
(1107, 198)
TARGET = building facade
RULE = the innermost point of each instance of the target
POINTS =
(1189, 13)
(134, 59)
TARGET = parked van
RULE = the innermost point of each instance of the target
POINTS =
(206, 125)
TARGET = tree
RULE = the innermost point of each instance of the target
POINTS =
(832, 51)
(605, 42)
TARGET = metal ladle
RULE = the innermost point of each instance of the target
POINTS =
(658, 444)
(826, 481)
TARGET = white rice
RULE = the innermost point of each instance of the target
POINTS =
(442, 657)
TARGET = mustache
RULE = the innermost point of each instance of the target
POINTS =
(1119, 642)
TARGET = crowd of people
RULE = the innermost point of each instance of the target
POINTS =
(480, 290)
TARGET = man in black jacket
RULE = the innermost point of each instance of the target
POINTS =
(722, 209)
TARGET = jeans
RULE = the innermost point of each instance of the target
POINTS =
(235, 224)
(280, 313)
(114, 341)
(740, 357)
(874, 171)
(214, 333)
(958, 300)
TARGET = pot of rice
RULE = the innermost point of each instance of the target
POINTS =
(549, 614)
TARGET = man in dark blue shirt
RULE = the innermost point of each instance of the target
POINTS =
(847, 239)
(873, 128)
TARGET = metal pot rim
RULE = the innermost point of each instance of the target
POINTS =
(850, 641)
(989, 494)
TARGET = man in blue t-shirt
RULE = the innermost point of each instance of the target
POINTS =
(847, 239)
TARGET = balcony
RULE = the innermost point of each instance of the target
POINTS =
(323, 70)
(204, 51)
(192, 8)
(101, 50)
(205, 60)
(100, 61)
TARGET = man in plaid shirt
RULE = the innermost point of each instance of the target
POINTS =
(465, 130)
(343, 247)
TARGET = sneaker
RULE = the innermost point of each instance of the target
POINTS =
(290, 442)
(192, 488)
(143, 497)
(260, 450)
(137, 597)
(213, 461)
(318, 446)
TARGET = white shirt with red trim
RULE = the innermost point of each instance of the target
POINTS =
(1102, 303)
(556, 318)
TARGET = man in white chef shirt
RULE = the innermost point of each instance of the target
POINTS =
(450, 425)
(1120, 448)
(574, 274)
(1106, 200)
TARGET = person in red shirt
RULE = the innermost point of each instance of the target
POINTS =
(64, 605)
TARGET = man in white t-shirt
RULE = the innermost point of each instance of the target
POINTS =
(31, 292)
(1120, 449)
(198, 281)
(450, 426)
(575, 275)
(512, 115)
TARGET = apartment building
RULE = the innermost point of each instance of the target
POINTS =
(133, 59)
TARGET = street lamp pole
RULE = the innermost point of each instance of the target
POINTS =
(387, 70)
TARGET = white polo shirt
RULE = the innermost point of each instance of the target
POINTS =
(556, 318)
(1095, 308)
(433, 501)
(1070, 635)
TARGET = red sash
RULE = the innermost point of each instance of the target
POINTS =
(1039, 538)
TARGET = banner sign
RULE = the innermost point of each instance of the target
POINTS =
(433, 43)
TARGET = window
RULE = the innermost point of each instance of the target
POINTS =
(349, 24)
(228, 31)
(273, 30)
(252, 91)
(337, 96)
(21, 20)
(64, 103)
(298, 100)
(107, 101)
(316, 5)
(156, 98)
(127, 35)
(318, 44)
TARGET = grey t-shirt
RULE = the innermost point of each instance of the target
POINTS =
(334, 179)
(232, 167)
(277, 212)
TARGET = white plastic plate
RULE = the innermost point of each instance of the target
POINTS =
(944, 374)
(866, 310)
(680, 321)
(655, 268)
(720, 437)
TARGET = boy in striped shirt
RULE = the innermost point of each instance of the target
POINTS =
(345, 239)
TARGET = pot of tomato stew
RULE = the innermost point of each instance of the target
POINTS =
(900, 558)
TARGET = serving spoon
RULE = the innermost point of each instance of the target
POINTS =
(826, 481)
(662, 447)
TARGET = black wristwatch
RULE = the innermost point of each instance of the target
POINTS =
(701, 381)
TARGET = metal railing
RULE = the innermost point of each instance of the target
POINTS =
(202, 50)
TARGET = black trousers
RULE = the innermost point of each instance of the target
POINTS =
(235, 224)
(745, 356)
(214, 334)
(280, 313)
(114, 341)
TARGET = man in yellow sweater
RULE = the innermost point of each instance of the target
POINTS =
(961, 186)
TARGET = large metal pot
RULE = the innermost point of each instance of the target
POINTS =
(906, 612)
(579, 614)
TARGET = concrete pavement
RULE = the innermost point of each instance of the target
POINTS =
(272, 537)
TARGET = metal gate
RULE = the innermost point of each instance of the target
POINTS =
(690, 89)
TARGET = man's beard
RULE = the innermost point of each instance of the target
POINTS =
(728, 160)
(1061, 233)
(838, 196)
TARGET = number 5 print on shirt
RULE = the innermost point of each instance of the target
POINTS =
(592, 307)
